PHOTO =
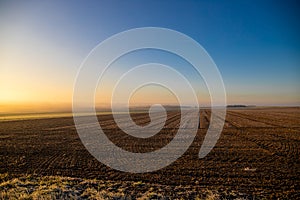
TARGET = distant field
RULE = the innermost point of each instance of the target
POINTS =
(257, 154)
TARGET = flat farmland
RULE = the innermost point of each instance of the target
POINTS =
(257, 155)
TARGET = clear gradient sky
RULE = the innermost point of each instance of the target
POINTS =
(255, 44)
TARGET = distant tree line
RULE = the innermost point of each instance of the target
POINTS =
(239, 105)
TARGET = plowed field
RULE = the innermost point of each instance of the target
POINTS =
(257, 154)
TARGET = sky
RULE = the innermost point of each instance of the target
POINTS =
(255, 45)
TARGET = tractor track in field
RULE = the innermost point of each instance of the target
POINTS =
(268, 119)
(273, 144)
(45, 165)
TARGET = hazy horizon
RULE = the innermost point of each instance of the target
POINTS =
(12, 109)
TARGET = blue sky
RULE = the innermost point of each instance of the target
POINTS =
(255, 44)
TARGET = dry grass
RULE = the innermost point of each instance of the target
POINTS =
(57, 187)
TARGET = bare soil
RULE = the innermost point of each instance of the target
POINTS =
(256, 156)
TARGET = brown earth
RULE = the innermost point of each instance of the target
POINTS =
(257, 154)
